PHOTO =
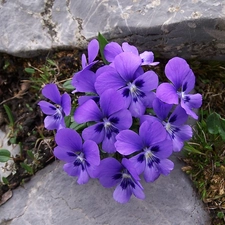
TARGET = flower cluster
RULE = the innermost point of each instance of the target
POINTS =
(124, 123)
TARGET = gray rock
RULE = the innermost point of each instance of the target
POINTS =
(187, 28)
(53, 198)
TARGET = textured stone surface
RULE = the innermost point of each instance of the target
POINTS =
(53, 198)
(188, 28)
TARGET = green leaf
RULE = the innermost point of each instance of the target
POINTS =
(67, 120)
(45, 77)
(29, 70)
(76, 126)
(222, 129)
(51, 62)
(4, 180)
(9, 114)
(13, 140)
(102, 43)
(30, 154)
(213, 123)
(7, 64)
(67, 85)
(220, 215)
(27, 167)
(4, 155)
(191, 149)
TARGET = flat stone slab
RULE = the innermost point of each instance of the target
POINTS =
(186, 28)
(53, 198)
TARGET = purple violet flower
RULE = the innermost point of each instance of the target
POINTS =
(135, 86)
(110, 119)
(152, 147)
(93, 48)
(81, 159)
(124, 176)
(113, 49)
(183, 80)
(87, 64)
(55, 113)
(175, 126)
(84, 81)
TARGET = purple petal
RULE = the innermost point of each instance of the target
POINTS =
(129, 48)
(84, 81)
(88, 111)
(148, 58)
(155, 130)
(125, 92)
(165, 166)
(194, 101)
(148, 99)
(83, 61)
(126, 65)
(128, 142)
(178, 117)
(51, 92)
(83, 178)
(177, 144)
(184, 133)
(111, 50)
(148, 118)
(109, 167)
(151, 173)
(66, 104)
(107, 80)
(138, 163)
(72, 170)
(137, 107)
(85, 98)
(161, 109)
(89, 66)
(138, 72)
(189, 82)
(106, 68)
(62, 154)
(122, 195)
(95, 132)
(163, 149)
(180, 134)
(122, 119)
(130, 167)
(124, 190)
(69, 139)
(111, 101)
(138, 192)
(53, 124)
(108, 144)
(91, 152)
(147, 81)
(188, 110)
(167, 93)
(93, 171)
(93, 48)
(47, 108)
(176, 70)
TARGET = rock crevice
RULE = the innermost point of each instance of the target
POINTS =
(46, 16)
